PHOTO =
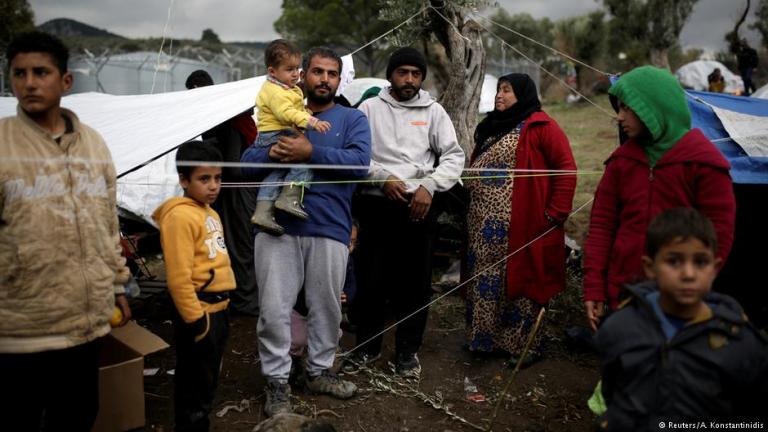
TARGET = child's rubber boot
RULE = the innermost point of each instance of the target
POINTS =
(289, 201)
(264, 218)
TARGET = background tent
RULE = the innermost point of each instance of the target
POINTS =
(355, 89)
(488, 94)
(739, 128)
(761, 93)
(694, 76)
(140, 129)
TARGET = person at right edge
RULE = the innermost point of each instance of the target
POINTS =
(414, 155)
(663, 164)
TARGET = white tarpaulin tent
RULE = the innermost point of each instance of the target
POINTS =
(694, 76)
(761, 93)
(355, 89)
(140, 129)
(488, 94)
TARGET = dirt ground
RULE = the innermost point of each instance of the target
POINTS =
(550, 395)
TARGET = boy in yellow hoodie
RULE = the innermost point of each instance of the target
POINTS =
(199, 280)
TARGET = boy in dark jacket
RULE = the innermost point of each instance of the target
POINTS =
(675, 352)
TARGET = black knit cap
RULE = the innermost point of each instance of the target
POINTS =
(407, 56)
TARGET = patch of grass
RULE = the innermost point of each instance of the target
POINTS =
(593, 136)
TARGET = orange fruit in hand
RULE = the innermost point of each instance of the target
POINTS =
(117, 317)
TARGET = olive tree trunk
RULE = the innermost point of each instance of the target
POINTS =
(464, 65)
(660, 57)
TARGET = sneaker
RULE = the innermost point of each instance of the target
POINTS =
(329, 383)
(357, 360)
(278, 398)
(408, 365)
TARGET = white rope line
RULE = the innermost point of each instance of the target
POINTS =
(170, 59)
(162, 43)
(390, 31)
(356, 181)
(353, 167)
(310, 183)
(608, 113)
(554, 50)
(344, 354)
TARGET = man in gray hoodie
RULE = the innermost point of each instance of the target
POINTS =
(415, 154)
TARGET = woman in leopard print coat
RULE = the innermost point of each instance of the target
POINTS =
(510, 209)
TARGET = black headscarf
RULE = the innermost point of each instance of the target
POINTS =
(499, 123)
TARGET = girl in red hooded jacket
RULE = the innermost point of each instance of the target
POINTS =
(663, 164)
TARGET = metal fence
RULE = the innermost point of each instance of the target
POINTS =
(144, 72)
(500, 67)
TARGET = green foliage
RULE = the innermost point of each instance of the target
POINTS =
(540, 30)
(761, 25)
(427, 26)
(209, 36)
(345, 25)
(653, 23)
(16, 17)
(582, 37)
(727, 59)
(679, 57)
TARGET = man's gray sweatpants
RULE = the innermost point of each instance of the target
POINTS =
(283, 265)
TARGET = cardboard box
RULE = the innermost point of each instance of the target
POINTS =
(121, 377)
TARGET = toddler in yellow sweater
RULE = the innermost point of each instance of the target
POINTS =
(281, 111)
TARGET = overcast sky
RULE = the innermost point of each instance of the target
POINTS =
(251, 20)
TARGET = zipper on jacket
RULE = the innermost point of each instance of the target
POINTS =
(650, 196)
(80, 237)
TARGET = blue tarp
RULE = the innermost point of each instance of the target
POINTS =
(744, 169)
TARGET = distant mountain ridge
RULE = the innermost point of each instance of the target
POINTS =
(68, 27)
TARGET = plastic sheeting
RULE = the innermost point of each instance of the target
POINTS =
(761, 93)
(138, 129)
(488, 94)
(143, 131)
(739, 128)
(355, 89)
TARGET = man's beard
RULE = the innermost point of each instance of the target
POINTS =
(321, 99)
(400, 91)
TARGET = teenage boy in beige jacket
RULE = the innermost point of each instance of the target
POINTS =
(61, 271)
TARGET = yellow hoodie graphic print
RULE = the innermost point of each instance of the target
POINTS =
(195, 254)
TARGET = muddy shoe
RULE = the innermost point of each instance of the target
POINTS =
(278, 398)
(330, 384)
(264, 218)
(289, 201)
(408, 365)
(358, 360)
